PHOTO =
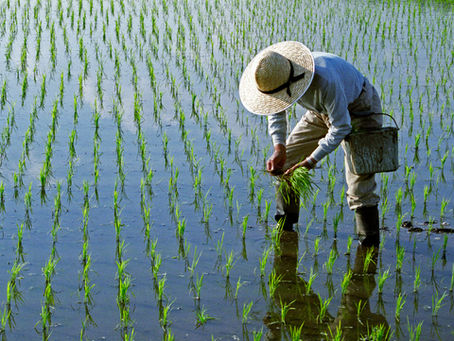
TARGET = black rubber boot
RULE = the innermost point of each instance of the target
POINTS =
(367, 225)
(287, 209)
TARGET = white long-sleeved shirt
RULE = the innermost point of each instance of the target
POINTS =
(335, 85)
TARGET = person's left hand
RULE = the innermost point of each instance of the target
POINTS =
(309, 164)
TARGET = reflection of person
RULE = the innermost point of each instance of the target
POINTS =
(305, 308)
(291, 290)
(355, 325)
(337, 98)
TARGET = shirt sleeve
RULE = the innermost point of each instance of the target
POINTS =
(277, 127)
(335, 106)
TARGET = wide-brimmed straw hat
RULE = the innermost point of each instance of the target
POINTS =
(276, 77)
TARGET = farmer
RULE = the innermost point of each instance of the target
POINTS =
(337, 98)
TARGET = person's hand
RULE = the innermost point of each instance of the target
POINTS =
(277, 160)
(308, 163)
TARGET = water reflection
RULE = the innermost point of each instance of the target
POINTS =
(354, 315)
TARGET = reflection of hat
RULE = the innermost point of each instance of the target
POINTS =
(276, 77)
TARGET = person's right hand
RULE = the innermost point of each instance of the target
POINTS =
(277, 160)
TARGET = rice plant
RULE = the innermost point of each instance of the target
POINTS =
(155, 90)
(246, 310)
(203, 317)
(298, 183)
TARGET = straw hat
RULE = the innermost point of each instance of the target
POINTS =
(268, 86)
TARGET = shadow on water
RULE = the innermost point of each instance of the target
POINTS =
(354, 318)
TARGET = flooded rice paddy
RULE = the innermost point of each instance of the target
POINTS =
(133, 198)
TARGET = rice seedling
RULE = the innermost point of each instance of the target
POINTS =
(295, 332)
(161, 285)
(310, 281)
(330, 262)
(360, 305)
(299, 182)
(399, 195)
(244, 226)
(400, 302)
(414, 333)
(273, 282)
(229, 264)
(239, 284)
(195, 261)
(444, 203)
(349, 245)
(437, 303)
(382, 277)
(164, 315)
(220, 245)
(267, 210)
(323, 308)
(246, 310)
(346, 281)
(264, 260)
(3, 95)
(257, 335)
(285, 308)
(400, 253)
(203, 317)
(326, 205)
(316, 246)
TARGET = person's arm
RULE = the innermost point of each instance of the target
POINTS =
(277, 128)
(334, 104)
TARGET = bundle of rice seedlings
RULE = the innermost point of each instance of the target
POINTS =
(299, 183)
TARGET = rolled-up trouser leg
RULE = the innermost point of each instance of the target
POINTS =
(301, 142)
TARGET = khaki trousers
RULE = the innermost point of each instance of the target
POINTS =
(313, 126)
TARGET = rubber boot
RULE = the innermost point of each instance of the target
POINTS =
(367, 226)
(287, 209)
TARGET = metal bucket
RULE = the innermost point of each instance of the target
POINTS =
(373, 150)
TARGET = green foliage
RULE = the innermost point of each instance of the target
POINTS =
(300, 182)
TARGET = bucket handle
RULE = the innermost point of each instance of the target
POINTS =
(385, 114)
(379, 113)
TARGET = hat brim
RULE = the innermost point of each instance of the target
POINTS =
(267, 104)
